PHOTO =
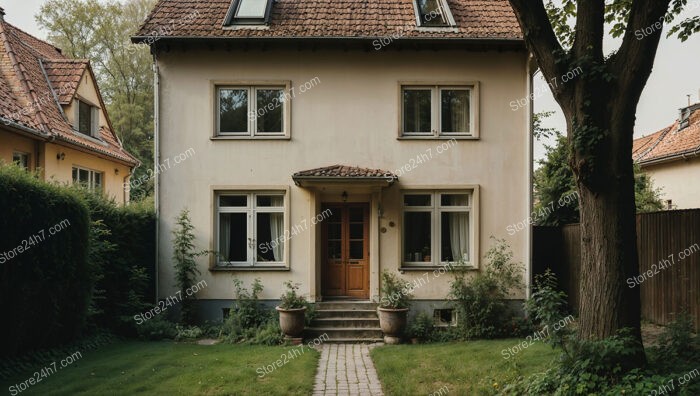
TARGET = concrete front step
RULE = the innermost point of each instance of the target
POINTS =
(345, 314)
(363, 333)
(336, 322)
(350, 305)
(354, 340)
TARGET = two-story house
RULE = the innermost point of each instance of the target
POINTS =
(336, 139)
(53, 118)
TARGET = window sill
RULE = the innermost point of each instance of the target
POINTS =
(253, 268)
(248, 137)
(433, 137)
(432, 267)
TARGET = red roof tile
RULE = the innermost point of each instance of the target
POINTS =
(475, 19)
(671, 142)
(343, 171)
(35, 79)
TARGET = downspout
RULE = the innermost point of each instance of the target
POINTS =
(530, 116)
(156, 159)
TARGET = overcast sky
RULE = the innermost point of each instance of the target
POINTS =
(675, 73)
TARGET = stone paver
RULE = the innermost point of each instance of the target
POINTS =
(346, 370)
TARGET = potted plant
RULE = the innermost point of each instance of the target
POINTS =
(292, 310)
(393, 307)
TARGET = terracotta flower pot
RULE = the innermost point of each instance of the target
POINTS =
(292, 321)
(393, 323)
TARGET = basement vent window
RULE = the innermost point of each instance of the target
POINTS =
(249, 12)
(445, 317)
(433, 13)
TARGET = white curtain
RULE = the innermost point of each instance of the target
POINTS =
(459, 229)
(277, 229)
(224, 237)
(460, 111)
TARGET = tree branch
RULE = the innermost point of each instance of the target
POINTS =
(634, 60)
(590, 28)
(542, 43)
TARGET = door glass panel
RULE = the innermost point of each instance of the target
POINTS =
(233, 240)
(334, 250)
(357, 250)
(334, 230)
(357, 215)
(357, 231)
(335, 215)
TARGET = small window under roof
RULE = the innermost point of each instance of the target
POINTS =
(433, 13)
(249, 12)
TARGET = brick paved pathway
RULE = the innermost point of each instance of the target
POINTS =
(347, 370)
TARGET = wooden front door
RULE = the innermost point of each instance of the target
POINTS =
(346, 251)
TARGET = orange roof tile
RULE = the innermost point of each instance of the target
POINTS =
(672, 142)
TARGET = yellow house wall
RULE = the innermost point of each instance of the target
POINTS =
(11, 142)
(350, 117)
(678, 181)
(87, 92)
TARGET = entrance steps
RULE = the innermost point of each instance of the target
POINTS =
(346, 322)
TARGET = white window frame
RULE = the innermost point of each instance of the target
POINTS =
(24, 161)
(436, 209)
(252, 129)
(91, 177)
(436, 110)
(94, 118)
(251, 210)
(448, 16)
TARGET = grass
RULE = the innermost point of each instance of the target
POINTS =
(167, 368)
(464, 368)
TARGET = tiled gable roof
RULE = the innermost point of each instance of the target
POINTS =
(475, 19)
(671, 142)
(35, 79)
(343, 171)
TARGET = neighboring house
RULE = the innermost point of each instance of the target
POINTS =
(336, 139)
(52, 117)
(671, 157)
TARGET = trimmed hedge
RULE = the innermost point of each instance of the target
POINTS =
(46, 280)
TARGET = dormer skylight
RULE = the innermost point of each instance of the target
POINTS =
(249, 12)
(433, 13)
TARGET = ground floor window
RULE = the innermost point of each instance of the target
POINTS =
(21, 159)
(89, 178)
(250, 228)
(437, 227)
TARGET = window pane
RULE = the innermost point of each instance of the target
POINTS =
(417, 227)
(416, 199)
(455, 236)
(233, 237)
(276, 201)
(75, 175)
(98, 180)
(416, 110)
(270, 237)
(251, 9)
(84, 176)
(432, 13)
(270, 110)
(84, 118)
(455, 110)
(454, 199)
(233, 200)
(21, 159)
(233, 110)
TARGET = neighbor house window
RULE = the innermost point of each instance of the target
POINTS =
(250, 229)
(88, 178)
(433, 13)
(249, 12)
(437, 111)
(251, 111)
(437, 227)
(86, 118)
(21, 159)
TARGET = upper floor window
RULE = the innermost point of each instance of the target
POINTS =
(88, 178)
(437, 111)
(433, 13)
(252, 111)
(21, 159)
(249, 12)
(86, 118)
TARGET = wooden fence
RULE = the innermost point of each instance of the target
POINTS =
(669, 262)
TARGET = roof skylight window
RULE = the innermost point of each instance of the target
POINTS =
(249, 12)
(433, 13)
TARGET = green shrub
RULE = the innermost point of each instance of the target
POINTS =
(481, 300)
(422, 328)
(249, 321)
(547, 306)
(186, 271)
(157, 328)
(290, 299)
(394, 294)
(47, 280)
(185, 333)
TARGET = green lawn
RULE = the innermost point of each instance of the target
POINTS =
(167, 368)
(465, 368)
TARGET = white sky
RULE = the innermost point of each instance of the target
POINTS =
(675, 73)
